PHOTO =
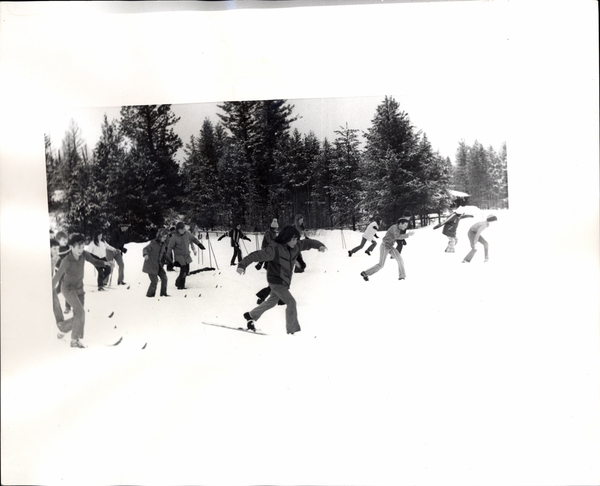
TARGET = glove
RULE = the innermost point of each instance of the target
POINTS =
(202, 247)
(376, 236)
(124, 250)
(258, 266)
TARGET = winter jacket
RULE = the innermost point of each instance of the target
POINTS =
(393, 233)
(156, 251)
(369, 233)
(300, 226)
(451, 224)
(281, 259)
(180, 245)
(72, 270)
(99, 250)
(235, 235)
(117, 239)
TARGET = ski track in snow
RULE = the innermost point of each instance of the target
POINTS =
(384, 373)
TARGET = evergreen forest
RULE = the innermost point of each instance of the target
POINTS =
(251, 167)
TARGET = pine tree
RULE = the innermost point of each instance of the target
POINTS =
(76, 178)
(151, 162)
(201, 180)
(390, 167)
(346, 189)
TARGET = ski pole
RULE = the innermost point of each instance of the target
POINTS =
(245, 246)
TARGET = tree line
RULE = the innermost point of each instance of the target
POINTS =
(251, 167)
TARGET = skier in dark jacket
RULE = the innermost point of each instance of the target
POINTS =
(118, 240)
(236, 235)
(281, 255)
(450, 227)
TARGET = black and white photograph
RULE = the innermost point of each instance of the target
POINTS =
(291, 243)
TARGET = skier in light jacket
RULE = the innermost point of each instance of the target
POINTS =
(369, 235)
(281, 255)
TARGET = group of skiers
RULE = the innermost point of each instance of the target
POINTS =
(280, 254)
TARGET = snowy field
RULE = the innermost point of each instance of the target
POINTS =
(460, 374)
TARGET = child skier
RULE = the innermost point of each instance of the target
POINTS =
(395, 232)
(236, 235)
(154, 254)
(72, 268)
(281, 255)
(98, 247)
(474, 235)
(56, 308)
(63, 250)
(450, 228)
(369, 235)
(179, 244)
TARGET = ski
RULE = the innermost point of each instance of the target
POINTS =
(243, 329)
(67, 341)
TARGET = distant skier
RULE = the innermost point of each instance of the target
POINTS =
(369, 234)
(475, 237)
(395, 232)
(154, 256)
(98, 247)
(450, 227)
(236, 235)
(118, 239)
(269, 236)
(281, 255)
(299, 224)
(179, 246)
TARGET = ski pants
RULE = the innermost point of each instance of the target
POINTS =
(103, 274)
(118, 257)
(481, 240)
(154, 283)
(76, 300)
(237, 253)
(291, 314)
(183, 271)
(451, 244)
(383, 253)
(362, 243)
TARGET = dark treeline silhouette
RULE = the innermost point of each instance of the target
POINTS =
(251, 167)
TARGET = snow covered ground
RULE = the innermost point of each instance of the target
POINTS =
(460, 374)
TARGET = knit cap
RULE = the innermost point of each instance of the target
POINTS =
(274, 223)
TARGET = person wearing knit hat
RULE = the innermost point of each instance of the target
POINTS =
(395, 232)
(475, 237)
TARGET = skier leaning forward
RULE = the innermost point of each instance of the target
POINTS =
(395, 232)
(281, 255)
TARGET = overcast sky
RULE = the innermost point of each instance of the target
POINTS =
(445, 123)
